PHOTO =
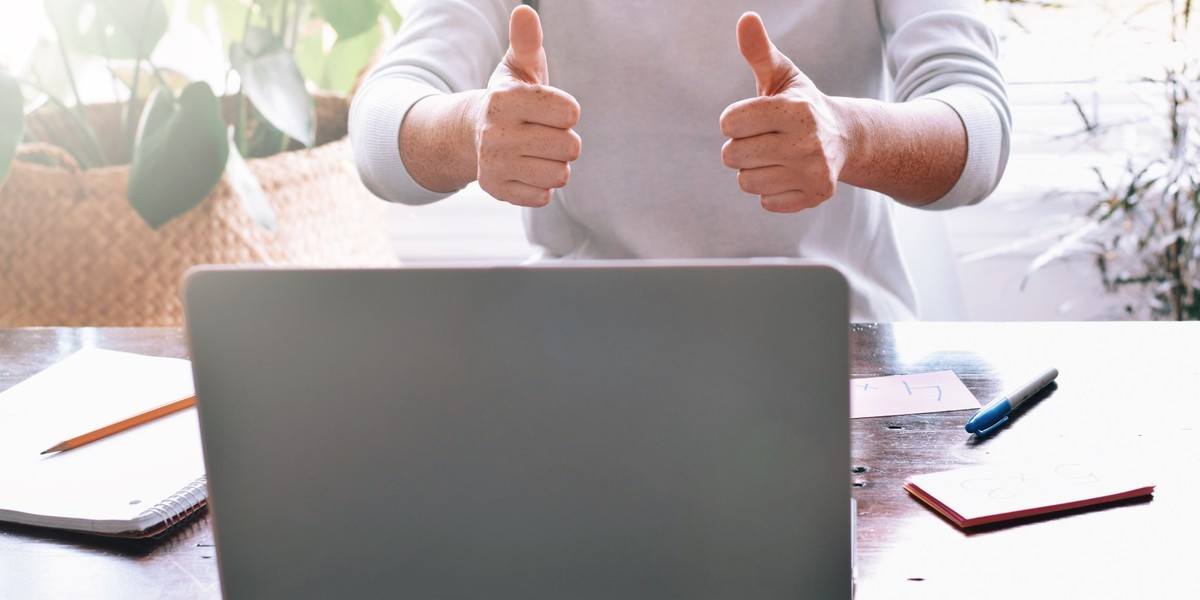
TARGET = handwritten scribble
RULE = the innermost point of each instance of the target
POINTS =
(910, 389)
(912, 393)
(1076, 473)
(1000, 488)
(1018, 484)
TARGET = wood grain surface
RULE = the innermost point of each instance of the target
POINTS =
(1128, 394)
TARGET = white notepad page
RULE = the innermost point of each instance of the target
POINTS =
(129, 482)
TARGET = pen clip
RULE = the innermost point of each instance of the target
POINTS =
(989, 430)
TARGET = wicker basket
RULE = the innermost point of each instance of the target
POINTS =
(73, 252)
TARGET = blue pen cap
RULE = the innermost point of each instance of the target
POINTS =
(994, 427)
(989, 417)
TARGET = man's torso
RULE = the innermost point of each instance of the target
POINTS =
(652, 78)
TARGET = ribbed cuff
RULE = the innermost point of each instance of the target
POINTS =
(985, 147)
(378, 111)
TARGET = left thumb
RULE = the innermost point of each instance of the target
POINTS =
(772, 70)
(525, 56)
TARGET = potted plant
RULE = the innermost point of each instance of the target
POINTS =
(103, 206)
(1143, 230)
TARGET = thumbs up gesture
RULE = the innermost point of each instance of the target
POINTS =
(789, 143)
(523, 135)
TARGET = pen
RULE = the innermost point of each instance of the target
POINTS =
(996, 412)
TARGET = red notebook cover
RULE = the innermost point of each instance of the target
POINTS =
(980, 495)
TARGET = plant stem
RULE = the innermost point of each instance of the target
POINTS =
(62, 50)
(283, 17)
(112, 74)
(140, 40)
(297, 16)
(283, 143)
(116, 82)
(241, 123)
(249, 16)
(158, 76)
(131, 108)
(96, 157)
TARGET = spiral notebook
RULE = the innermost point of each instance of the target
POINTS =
(136, 483)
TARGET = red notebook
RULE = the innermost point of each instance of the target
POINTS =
(981, 495)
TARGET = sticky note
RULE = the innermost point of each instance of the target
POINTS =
(989, 494)
(909, 394)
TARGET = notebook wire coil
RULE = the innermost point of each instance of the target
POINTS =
(181, 504)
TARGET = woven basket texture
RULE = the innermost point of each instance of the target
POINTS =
(73, 252)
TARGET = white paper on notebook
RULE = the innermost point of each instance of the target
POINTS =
(128, 483)
(979, 495)
(937, 391)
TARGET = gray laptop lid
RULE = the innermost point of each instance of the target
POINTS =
(602, 431)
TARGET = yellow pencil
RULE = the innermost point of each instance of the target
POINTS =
(119, 426)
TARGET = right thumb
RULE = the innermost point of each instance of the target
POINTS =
(526, 58)
(772, 70)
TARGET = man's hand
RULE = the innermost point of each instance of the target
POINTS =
(789, 144)
(523, 138)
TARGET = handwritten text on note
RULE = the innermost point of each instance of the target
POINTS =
(990, 493)
(909, 394)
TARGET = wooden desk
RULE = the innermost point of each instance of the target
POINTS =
(1126, 389)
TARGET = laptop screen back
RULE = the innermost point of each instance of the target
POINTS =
(596, 431)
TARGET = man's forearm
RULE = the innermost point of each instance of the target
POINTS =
(912, 151)
(437, 141)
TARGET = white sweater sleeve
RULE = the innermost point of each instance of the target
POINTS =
(942, 49)
(444, 46)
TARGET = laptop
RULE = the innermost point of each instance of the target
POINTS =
(566, 431)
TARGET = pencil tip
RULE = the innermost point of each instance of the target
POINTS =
(53, 449)
(47, 451)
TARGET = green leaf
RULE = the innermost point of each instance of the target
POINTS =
(337, 70)
(350, 17)
(258, 41)
(273, 83)
(348, 58)
(245, 184)
(310, 56)
(12, 121)
(1063, 248)
(124, 29)
(179, 155)
(159, 109)
(230, 15)
(392, 15)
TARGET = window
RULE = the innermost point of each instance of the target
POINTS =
(1072, 66)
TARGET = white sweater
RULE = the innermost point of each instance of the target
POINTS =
(652, 77)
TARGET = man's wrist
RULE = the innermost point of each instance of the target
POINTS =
(854, 117)
(468, 109)
(912, 151)
(437, 141)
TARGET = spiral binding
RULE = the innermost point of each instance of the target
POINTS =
(179, 505)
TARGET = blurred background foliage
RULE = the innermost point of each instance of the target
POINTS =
(200, 84)
(1142, 229)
